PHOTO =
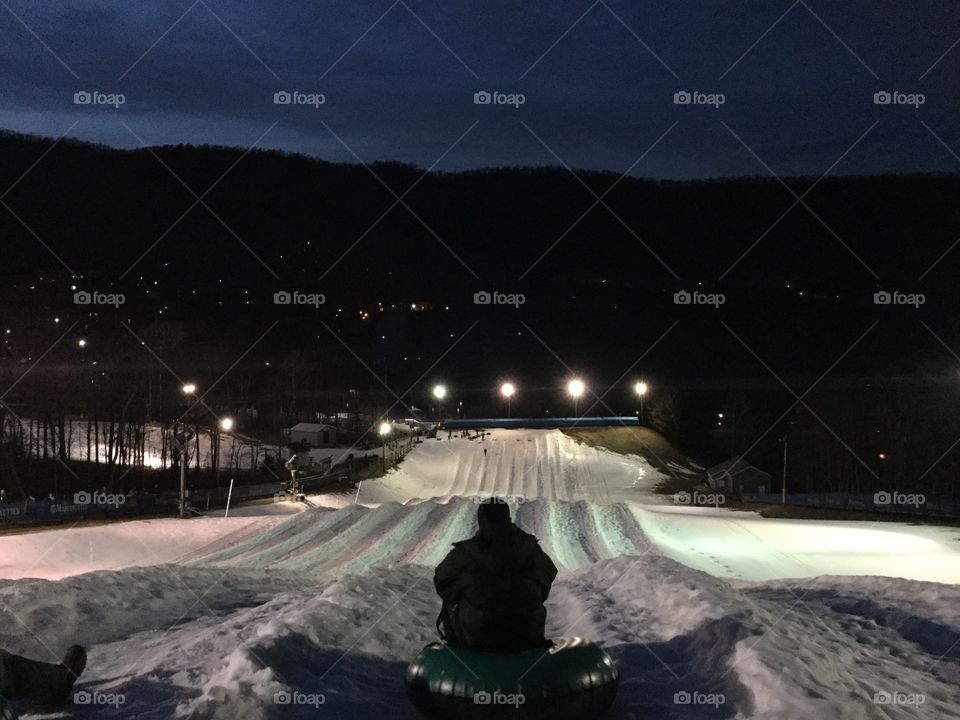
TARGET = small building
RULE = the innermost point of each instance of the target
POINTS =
(313, 435)
(737, 476)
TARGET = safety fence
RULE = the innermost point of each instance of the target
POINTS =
(887, 501)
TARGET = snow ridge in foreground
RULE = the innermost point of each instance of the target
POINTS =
(333, 604)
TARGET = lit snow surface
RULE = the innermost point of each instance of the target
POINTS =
(211, 618)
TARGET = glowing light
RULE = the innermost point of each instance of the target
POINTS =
(576, 388)
(507, 390)
(81, 343)
(883, 456)
(384, 428)
(440, 392)
(189, 389)
(641, 388)
(227, 424)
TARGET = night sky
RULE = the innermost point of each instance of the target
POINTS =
(398, 80)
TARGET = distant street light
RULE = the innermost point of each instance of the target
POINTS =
(440, 392)
(227, 424)
(81, 343)
(640, 389)
(576, 388)
(508, 390)
(189, 389)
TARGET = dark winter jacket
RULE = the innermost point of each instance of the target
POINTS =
(493, 587)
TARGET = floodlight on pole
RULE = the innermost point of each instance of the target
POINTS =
(440, 392)
(641, 388)
(189, 389)
(226, 424)
(576, 388)
(508, 390)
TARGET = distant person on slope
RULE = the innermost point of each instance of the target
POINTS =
(40, 682)
(493, 587)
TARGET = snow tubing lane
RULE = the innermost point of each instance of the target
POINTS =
(573, 680)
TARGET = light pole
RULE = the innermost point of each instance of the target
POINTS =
(576, 388)
(440, 392)
(507, 390)
(783, 491)
(640, 388)
(188, 389)
(226, 424)
(383, 431)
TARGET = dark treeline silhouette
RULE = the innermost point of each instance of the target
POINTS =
(599, 280)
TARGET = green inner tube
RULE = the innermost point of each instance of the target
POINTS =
(572, 680)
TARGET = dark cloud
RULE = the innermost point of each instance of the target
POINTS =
(798, 80)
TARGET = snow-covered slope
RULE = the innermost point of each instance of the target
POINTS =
(227, 619)
(527, 464)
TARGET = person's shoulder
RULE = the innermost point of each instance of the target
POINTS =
(524, 538)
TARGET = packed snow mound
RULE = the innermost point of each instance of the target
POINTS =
(688, 645)
(55, 554)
